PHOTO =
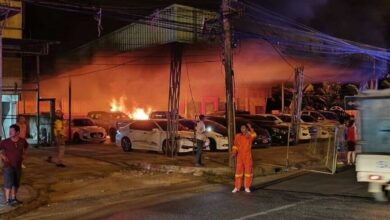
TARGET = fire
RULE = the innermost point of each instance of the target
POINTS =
(118, 105)
(140, 114)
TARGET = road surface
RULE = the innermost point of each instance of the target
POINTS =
(311, 196)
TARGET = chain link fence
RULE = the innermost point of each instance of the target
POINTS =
(324, 147)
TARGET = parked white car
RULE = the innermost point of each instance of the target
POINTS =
(305, 131)
(322, 128)
(216, 133)
(85, 130)
(152, 135)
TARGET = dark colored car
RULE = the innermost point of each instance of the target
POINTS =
(330, 115)
(110, 121)
(222, 113)
(161, 115)
(279, 133)
(263, 138)
(308, 119)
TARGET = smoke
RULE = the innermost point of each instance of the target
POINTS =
(142, 77)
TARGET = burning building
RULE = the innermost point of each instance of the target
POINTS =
(128, 69)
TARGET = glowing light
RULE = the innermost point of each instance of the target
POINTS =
(118, 105)
(140, 114)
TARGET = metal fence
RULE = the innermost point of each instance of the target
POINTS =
(324, 147)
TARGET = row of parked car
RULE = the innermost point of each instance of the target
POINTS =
(152, 134)
(271, 129)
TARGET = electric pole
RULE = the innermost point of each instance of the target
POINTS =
(227, 52)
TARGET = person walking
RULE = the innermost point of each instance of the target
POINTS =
(351, 142)
(242, 153)
(200, 131)
(13, 151)
(59, 138)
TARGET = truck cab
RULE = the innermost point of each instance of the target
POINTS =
(373, 163)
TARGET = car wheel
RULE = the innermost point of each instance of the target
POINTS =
(126, 144)
(112, 133)
(76, 138)
(213, 145)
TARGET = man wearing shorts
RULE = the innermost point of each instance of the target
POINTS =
(12, 153)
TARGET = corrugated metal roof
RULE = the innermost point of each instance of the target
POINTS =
(176, 23)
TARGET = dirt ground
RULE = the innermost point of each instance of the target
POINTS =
(101, 178)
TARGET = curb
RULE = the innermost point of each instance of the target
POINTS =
(258, 171)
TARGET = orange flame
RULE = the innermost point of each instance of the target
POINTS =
(140, 114)
(118, 105)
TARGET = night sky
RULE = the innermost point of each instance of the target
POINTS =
(358, 20)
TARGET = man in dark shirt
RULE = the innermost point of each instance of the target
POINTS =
(12, 150)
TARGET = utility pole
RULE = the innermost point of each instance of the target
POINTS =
(174, 98)
(230, 111)
(70, 110)
(283, 107)
(2, 135)
(38, 63)
(297, 101)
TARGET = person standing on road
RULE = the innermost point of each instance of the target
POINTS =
(242, 152)
(13, 151)
(340, 138)
(351, 142)
(200, 131)
(59, 138)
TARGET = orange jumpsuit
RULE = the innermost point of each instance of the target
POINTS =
(242, 149)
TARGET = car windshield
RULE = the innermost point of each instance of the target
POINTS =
(275, 118)
(308, 118)
(219, 120)
(188, 123)
(285, 118)
(317, 116)
(82, 122)
(164, 126)
(217, 128)
(329, 115)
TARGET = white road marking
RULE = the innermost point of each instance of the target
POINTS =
(273, 210)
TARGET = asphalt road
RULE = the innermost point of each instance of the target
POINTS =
(311, 196)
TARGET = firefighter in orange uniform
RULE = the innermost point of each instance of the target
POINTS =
(242, 152)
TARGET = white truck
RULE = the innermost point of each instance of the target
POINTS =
(373, 163)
